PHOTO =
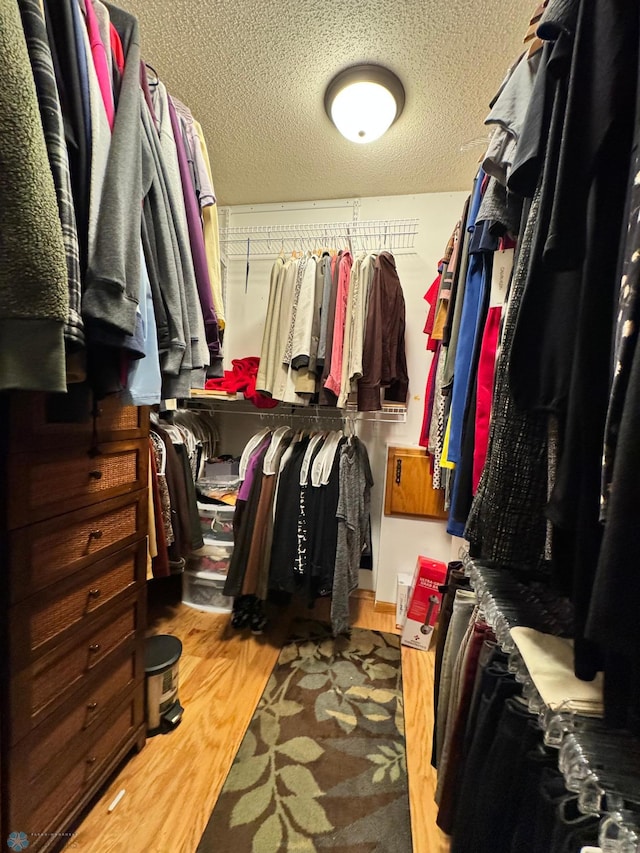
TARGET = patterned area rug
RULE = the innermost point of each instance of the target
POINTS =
(323, 764)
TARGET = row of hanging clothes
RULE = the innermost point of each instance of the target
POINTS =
(301, 522)
(532, 414)
(109, 177)
(180, 444)
(334, 331)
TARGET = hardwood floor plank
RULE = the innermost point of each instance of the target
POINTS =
(172, 785)
(417, 678)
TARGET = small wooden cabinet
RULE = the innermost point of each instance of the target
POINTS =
(409, 488)
(73, 552)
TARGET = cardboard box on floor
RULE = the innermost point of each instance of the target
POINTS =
(425, 599)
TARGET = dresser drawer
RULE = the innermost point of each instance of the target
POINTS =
(45, 422)
(49, 483)
(75, 666)
(49, 617)
(53, 550)
(73, 726)
(55, 797)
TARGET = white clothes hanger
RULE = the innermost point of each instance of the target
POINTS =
(250, 446)
(306, 462)
(323, 463)
(277, 440)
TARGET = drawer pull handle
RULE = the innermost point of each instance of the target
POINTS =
(92, 706)
(94, 647)
(94, 593)
(95, 534)
(92, 760)
(95, 475)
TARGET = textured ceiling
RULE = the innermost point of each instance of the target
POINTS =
(254, 73)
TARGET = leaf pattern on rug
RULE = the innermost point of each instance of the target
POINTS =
(323, 763)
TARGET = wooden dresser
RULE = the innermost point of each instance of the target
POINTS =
(73, 566)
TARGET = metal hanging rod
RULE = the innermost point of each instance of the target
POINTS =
(397, 235)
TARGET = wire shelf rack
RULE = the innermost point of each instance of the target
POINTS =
(286, 411)
(395, 235)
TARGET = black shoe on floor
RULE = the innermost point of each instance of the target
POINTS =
(258, 619)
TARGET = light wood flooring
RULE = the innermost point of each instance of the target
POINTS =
(173, 783)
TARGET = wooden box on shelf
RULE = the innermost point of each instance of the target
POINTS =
(409, 489)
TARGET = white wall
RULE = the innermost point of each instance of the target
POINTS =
(396, 541)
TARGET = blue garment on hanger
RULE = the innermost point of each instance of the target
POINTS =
(474, 291)
(144, 382)
(83, 68)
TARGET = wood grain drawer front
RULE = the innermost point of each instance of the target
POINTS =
(66, 672)
(40, 420)
(49, 484)
(52, 550)
(65, 732)
(39, 622)
(44, 806)
(51, 685)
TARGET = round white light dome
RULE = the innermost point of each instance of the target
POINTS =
(364, 101)
(363, 111)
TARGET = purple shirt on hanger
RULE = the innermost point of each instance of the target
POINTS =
(196, 239)
(245, 488)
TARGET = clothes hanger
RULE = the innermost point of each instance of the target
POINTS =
(535, 43)
(323, 463)
(306, 462)
(278, 438)
(250, 446)
(533, 22)
(152, 83)
(349, 246)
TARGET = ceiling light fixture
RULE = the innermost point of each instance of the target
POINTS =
(364, 101)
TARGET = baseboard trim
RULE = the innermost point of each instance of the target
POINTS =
(363, 593)
(384, 607)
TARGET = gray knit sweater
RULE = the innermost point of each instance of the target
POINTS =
(354, 505)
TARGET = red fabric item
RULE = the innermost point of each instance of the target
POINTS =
(116, 48)
(431, 296)
(99, 56)
(507, 242)
(429, 400)
(486, 372)
(242, 377)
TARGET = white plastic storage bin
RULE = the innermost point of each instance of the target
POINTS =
(214, 557)
(216, 522)
(203, 591)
